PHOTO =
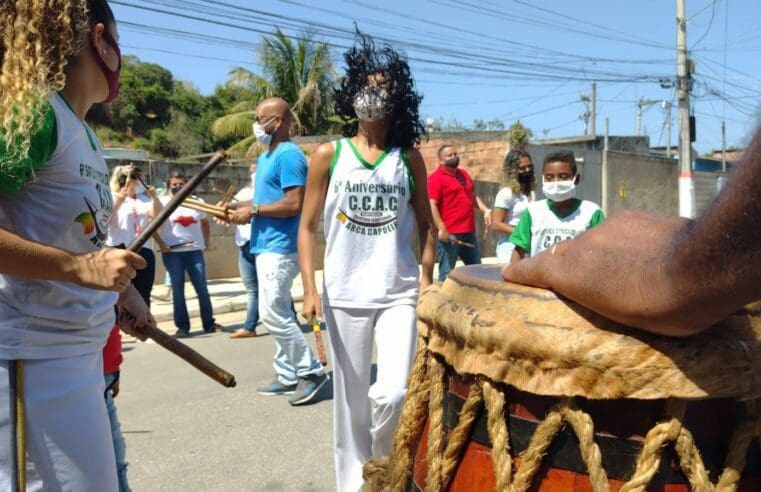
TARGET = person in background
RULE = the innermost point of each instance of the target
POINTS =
(512, 200)
(561, 216)
(274, 214)
(453, 202)
(247, 267)
(186, 237)
(134, 207)
(112, 360)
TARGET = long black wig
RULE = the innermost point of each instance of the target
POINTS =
(365, 59)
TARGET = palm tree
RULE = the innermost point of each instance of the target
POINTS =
(300, 71)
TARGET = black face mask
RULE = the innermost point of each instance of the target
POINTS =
(452, 161)
(175, 189)
(526, 178)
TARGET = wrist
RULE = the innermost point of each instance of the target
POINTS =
(254, 210)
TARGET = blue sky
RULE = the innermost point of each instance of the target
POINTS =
(505, 59)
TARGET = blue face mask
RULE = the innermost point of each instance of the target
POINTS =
(139, 189)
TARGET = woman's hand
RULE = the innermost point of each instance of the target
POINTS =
(311, 307)
(133, 314)
(106, 269)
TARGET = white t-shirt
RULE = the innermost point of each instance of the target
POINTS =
(184, 228)
(67, 205)
(132, 217)
(541, 227)
(515, 205)
(243, 232)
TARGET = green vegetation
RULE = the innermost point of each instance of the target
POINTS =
(171, 118)
(300, 71)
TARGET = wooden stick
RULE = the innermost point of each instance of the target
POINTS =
(172, 344)
(217, 212)
(318, 341)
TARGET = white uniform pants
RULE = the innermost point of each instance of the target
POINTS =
(69, 445)
(364, 416)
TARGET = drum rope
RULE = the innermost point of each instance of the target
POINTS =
(436, 433)
(459, 435)
(425, 397)
(498, 434)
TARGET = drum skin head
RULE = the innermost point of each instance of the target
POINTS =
(541, 343)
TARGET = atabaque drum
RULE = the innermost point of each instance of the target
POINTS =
(516, 389)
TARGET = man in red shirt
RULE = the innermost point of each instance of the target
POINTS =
(453, 200)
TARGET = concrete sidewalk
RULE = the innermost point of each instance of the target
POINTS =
(228, 295)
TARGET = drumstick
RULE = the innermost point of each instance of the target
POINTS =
(461, 243)
(217, 212)
(172, 344)
(318, 341)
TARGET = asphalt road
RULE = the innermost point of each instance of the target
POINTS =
(185, 432)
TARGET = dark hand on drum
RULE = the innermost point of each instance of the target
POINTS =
(620, 269)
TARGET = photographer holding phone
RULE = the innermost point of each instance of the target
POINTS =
(135, 205)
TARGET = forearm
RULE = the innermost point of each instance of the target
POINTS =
(29, 259)
(427, 253)
(117, 205)
(480, 206)
(307, 241)
(501, 227)
(205, 230)
(288, 206)
(437, 221)
(715, 262)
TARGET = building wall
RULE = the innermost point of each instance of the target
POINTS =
(641, 182)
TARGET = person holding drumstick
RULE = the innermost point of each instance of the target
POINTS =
(372, 188)
(665, 275)
(57, 59)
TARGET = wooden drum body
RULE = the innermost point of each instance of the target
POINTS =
(516, 389)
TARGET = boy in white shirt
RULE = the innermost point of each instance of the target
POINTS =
(561, 216)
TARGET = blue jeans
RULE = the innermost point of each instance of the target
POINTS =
(193, 263)
(120, 447)
(293, 357)
(247, 268)
(448, 253)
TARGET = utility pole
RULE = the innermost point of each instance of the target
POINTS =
(590, 110)
(594, 109)
(723, 147)
(641, 105)
(684, 85)
(667, 106)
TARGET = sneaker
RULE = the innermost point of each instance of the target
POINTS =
(276, 388)
(307, 388)
(181, 334)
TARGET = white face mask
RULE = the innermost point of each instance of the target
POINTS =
(139, 189)
(371, 103)
(261, 134)
(559, 191)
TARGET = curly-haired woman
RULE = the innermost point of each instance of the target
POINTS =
(512, 200)
(57, 59)
(372, 187)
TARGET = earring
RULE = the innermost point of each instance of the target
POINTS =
(103, 51)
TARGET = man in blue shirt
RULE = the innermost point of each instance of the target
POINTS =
(274, 215)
